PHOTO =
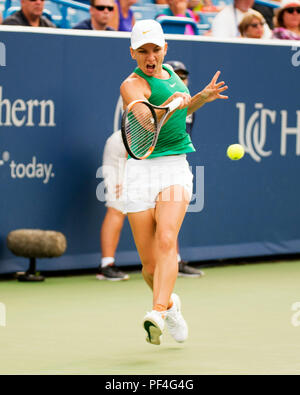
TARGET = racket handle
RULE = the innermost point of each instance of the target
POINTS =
(175, 103)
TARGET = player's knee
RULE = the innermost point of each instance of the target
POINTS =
(166, 241)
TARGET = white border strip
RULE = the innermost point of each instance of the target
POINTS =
(64, 32)
(171, 37)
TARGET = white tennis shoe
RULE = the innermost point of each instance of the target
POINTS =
(175, 322)
(154, 323)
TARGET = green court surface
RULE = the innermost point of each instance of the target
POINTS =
(240, 320)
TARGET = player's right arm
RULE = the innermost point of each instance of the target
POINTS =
(134, 88)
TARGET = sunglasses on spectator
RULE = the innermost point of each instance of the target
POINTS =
(291, 10)
(35, 0)
(102, 7)
(256, 24)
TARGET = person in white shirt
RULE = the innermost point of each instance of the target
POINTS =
(226, 22)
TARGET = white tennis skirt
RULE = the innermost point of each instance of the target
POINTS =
(145, 179)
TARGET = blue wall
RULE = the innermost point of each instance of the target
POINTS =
(247, 208)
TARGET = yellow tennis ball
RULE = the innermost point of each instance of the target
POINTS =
(235, 151)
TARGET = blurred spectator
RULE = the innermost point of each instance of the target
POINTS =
(203, 6)
(123, 18)
(267, 13)
(180, 8)
(101, 14)
(287, 21)
(225, 24)
(30, 14)
(252, 25)
(1, 18)
(195, 5)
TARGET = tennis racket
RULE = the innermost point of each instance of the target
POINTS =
(141, 124)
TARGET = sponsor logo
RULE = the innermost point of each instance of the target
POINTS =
(26, 113)
(253, 132)
(32, 170)
(295, 60)
(2, 55)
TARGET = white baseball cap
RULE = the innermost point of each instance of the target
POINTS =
(147, 31)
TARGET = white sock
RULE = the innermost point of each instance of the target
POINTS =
(178, 258)
(108, 260)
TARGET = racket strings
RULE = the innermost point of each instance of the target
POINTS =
(140, 128)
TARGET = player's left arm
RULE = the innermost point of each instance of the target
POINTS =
(210, 93)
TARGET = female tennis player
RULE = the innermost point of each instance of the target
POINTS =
(158, 189)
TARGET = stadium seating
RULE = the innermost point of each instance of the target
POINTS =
(206, 18)
(176, 25)
(67, 13)
(221, 3)
(76, 16)
(55, 11)
(145, 2)
(144, 12)
(2, 6)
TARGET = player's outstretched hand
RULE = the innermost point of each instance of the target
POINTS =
(214, 89)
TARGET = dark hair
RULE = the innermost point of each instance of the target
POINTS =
(92, 3)
(278, 18)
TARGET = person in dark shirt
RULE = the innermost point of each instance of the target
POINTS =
(266, 12)
(30, 14)
(181, 70)
(101, 12)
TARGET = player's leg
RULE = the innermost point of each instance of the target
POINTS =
(155, 234)
(143, 229)
(143, 225)
(170, 210)
(169, 215)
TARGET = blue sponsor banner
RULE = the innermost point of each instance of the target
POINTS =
(59, 102)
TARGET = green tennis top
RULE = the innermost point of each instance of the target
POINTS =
(173, 138)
